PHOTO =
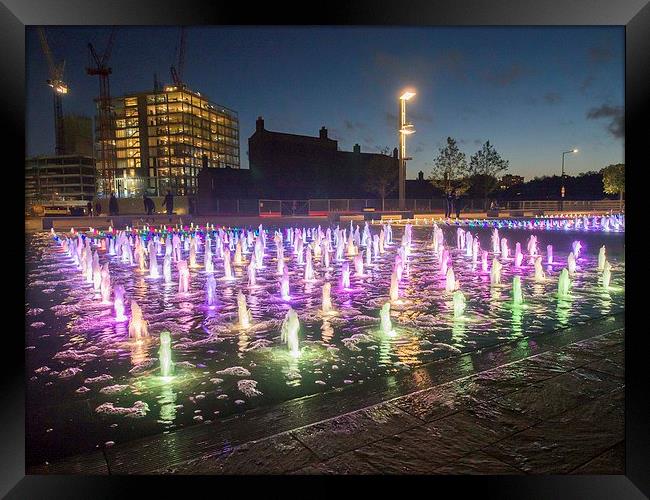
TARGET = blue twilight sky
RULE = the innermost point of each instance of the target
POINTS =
(533, 92)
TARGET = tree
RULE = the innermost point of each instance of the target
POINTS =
(450, 172)
(381, 176)
(484, 166)
(614, 181)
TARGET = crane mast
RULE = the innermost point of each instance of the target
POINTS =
(59, 89)
(107, 164)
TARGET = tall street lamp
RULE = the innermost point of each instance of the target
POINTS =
(403, 130)
(562, 190)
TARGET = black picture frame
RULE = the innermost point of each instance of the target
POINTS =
(633, 14)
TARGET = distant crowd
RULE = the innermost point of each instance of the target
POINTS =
(149, 205)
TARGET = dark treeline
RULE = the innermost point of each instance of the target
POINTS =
(585, 186)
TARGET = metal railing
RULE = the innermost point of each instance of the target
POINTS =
(567, 205)
(324, 207)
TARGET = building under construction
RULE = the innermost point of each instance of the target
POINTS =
(164, 137)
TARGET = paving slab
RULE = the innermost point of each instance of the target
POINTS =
(559, 394)
(91, 464)
(611, 461)
(478, 463)
(348, 463)
(566, 442)
(347, 432)
(275, 455)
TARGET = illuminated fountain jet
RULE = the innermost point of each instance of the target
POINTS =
(458, 303)
(138, 326)
(118, 303)
(227, 268)
(245, 317)
(571, 263)
(251, 273)
(519, 257)
(345, 275)
(327, 298)
(105, 284)
(183, 276)
(563, 284)
(385, 321)
(602, 258)
(539, 271)
(450, 280)
(153, 262)
(607, 274)
(211, 291)
(165, 355)
(289, 332)
(495, 272)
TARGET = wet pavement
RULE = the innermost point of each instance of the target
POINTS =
(552, 405)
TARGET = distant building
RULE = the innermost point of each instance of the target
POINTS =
(289, 166)
(77, 135)
(508, 180)
(59, 178)
(420, 188)
(161, 138)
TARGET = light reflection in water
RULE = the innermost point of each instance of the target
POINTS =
(407, 350)
(167, 402)
(327, 332)
(516, 324)
(458, 335)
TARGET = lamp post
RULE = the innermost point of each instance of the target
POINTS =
(562, 190)
(403, 130)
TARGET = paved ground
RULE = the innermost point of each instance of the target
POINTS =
(549, 405)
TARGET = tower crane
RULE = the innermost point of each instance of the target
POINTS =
(98, 66)
(176, 69)
(59, 89)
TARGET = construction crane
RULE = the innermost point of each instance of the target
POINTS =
(177, 69)
(98, 66)
(59, 89)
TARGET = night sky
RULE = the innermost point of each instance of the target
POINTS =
(533, 92)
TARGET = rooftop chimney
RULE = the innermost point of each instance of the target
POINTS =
(357, 148)
(420, 175)
(323, 133)
(259, 124)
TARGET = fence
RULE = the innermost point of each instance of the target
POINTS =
(323, 207)
(567, 205)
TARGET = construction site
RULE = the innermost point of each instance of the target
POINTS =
(142, 143)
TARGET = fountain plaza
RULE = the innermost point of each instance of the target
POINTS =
(147, 333)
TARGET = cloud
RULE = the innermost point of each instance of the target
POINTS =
(614, 114)
(586, 83)
(453, 62)
(393, 64)
(449, 62)
(350, 125)
(600, 54)
(552, 98)
(504, 77)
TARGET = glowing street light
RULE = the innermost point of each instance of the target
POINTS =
(562, 190)
(403, 129)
